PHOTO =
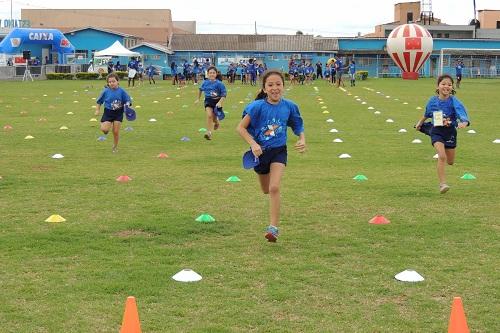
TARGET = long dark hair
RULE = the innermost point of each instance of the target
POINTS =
(446, 76)
(262, 94)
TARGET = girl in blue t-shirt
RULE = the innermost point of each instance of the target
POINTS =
(114, 99)
(215, 94)
(447, 113)
(352, 73)
(264, 128)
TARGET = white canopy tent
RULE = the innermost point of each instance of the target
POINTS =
(117, 50)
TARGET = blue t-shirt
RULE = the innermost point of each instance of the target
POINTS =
(268, 122)
(459, 69)
(113, 99)
(150, 70)
(352, 68)
(452, 108)
(213, 89)
(133, 64)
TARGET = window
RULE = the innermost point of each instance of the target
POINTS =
(409, 17)
(80, 54)
(498, 24)
(439, 35)
(446, 35)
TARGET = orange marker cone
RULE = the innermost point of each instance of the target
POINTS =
(131, 323)
(458, 323)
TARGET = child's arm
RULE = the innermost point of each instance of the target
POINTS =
(461, 113)
(221, 101)
(243, 132)
(301, 143)
(97, 109)
(420, 122)
(199, 95)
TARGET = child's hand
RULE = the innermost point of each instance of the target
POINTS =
(96, 112)
(256, 149)
(219, 105)
(197, 101)
(418, 126)
(300, 146)
(463, 124)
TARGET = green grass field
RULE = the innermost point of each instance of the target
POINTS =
(331, 271)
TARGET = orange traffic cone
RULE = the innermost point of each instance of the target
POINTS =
(458, 323)
(130, 323)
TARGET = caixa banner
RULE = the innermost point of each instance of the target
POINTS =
(20, 38)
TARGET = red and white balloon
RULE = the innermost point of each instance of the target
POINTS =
(409, 45)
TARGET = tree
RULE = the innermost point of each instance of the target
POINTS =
(299, 33)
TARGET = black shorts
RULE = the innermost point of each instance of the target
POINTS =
(112, 115)
(446, 135)
(211, 102)
(459, 77)
(271, 155)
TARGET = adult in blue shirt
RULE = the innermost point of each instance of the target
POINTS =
(215, 94)
(264, 128)
(133, 67)
(447, 113)
(114, 99)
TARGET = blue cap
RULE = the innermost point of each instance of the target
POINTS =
(426, 128)
(129, 113)
(219, 113)
(250, 160)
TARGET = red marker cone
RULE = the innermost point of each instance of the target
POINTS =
(162, 155)
(379, 219)
(458, 323)
(123, 179)
(130, 323)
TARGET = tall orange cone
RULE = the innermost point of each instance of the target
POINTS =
(458, 323)
(131, 323)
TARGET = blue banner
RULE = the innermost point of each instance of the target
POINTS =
(19, 38)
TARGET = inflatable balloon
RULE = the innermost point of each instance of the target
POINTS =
(409, 45)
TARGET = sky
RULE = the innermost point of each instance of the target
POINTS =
(316, 17)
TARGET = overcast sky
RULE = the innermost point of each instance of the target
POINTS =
(318, 17)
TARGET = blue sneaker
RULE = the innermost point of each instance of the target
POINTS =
(272, 233)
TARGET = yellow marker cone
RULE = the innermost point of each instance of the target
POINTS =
(55, 219)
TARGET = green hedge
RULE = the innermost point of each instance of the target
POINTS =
(87, 76)
(60, 76)
(122, 75)
(361, 75)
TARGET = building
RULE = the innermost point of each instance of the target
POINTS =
(152, 25)
(412, 12)
(275, 50)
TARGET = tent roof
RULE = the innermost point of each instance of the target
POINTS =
(117, 50)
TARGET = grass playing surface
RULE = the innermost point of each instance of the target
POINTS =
(330, 270)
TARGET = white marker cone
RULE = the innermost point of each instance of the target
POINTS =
(57, 156)
(344, 156)
(187, 275)
(417, 141)
(409, 276)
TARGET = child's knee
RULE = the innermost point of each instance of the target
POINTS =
(450, 162)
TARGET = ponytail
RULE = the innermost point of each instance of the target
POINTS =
(261, 95)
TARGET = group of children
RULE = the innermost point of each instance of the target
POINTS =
(265, 121)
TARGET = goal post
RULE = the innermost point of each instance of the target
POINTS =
(478, 63)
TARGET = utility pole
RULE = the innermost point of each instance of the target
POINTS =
(255, 25)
